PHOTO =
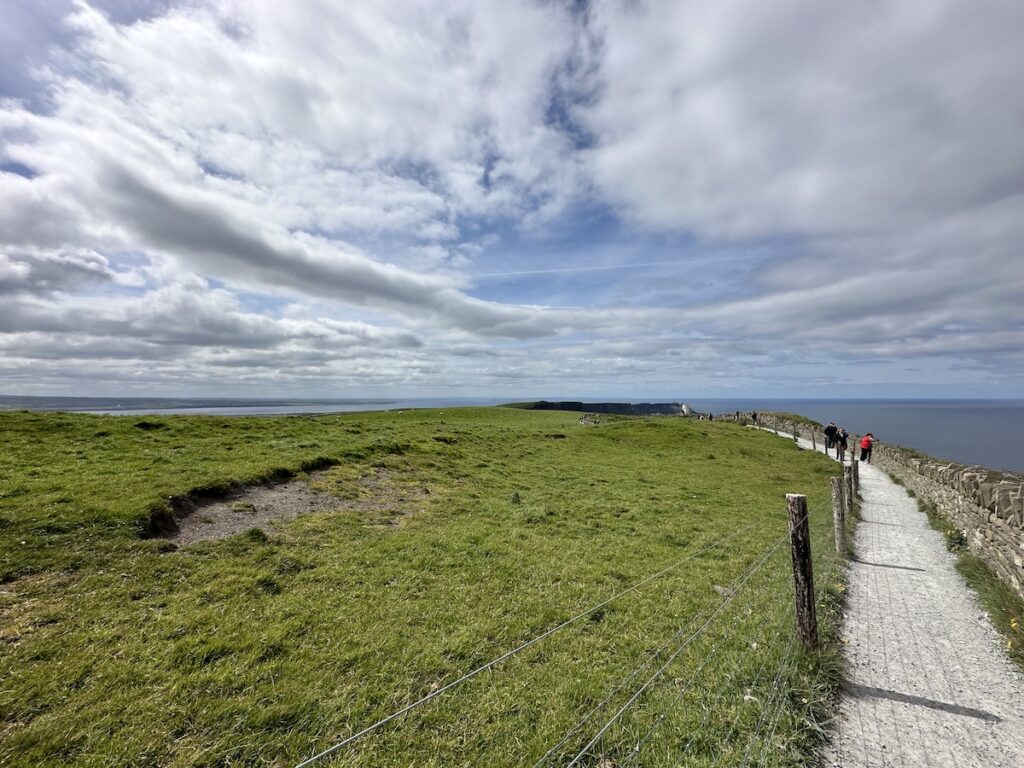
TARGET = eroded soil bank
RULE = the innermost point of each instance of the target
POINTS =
(378, 494)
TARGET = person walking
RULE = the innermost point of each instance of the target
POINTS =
(830, 436)
(866, 444)
(842, 440)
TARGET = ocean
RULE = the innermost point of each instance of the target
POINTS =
(986, 432)
(223, 406)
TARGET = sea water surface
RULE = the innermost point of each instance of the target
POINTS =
(224, 406)
(987, 432)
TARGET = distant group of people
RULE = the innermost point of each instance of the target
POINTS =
(836, 438)
(839, 439)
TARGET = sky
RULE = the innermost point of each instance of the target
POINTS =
(476, 198)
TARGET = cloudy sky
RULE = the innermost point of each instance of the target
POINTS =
(512, 198)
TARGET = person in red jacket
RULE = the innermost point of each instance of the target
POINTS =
(865, 447)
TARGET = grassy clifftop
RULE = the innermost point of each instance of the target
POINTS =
(458, 535)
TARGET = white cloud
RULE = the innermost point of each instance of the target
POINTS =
(736, 119)
(304, 196)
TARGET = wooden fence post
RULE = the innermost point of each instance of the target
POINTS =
(814, 443)
(839, 514)
(848, 484)
(856, 476)
(803, 575)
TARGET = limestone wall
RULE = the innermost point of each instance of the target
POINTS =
(783, 423)
(985, 504)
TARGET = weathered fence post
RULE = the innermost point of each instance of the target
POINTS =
(848, 484)
(839, 514)
(856, 476)
(803, 575)
(814, 443)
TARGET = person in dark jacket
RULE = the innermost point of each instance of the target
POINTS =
(866, 444)
(842, 440)
(830, 435)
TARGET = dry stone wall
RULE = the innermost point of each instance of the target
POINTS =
(986, 505)
(809, 430)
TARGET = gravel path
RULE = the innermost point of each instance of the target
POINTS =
(928, 683)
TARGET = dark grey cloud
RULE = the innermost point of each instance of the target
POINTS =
(52, 272)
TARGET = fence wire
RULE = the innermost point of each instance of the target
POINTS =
(518, 649)
(771, 712)
(755, 566)
(676, 700)
(680, 640)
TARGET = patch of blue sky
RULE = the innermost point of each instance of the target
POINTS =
(18, 169)
(560, 110)
(423, 173)
(120, 261)
(126, 259)
(595, 260)
(211, 169)
(579, 228)
(559, 114)
(110, 290)
(28, 32)
(261, 303)
(257, 303)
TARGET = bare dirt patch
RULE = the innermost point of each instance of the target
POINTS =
(378, 495)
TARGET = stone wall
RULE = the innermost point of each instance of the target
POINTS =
(805, 428)
(985, 504)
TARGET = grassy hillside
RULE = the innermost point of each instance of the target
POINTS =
(261, 650)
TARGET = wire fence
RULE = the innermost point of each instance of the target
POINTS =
(519, 649)
(744, 579)
(632, 719)
(627, 749)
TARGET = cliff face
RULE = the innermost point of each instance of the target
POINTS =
(621, 409)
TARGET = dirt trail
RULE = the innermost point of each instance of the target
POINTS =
(928, 682)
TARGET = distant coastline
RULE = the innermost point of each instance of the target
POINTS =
(620, 408)
(985, 432)
(223, 406)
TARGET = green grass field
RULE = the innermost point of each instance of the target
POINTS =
(116, 650)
